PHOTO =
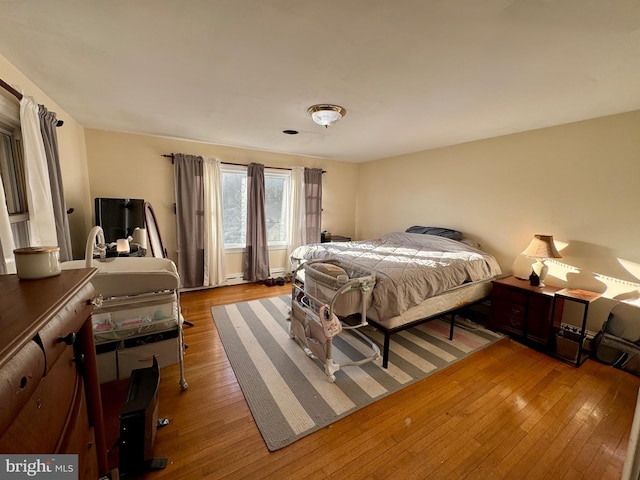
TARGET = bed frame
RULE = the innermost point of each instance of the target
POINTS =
(450, 302)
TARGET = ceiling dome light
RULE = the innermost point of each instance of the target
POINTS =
(326, 114)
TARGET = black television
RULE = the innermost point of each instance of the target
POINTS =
(119, 217)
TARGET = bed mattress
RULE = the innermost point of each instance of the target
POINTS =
(451, 300)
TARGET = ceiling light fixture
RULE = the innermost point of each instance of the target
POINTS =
(326, 114)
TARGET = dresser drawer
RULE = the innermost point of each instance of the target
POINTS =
(91, 468)
(541, 302)
(78, 437)
(39, 426)
(65, 324)
(19, 379)
(509, 316)
(508, 294)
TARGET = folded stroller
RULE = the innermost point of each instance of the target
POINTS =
(323, 299)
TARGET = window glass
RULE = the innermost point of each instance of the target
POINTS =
(13, 182)
(276, 199)
(12, 175)
(234, 206)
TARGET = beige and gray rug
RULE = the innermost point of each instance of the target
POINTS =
(288, 392)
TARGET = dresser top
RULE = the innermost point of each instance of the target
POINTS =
(27, 305)
(514, 282)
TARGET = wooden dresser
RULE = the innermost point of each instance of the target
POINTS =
(525, 311)
(49, 392)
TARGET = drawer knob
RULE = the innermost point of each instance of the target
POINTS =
(96, 301)
(68, 339)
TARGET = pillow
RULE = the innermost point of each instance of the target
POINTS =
(439, 231)
(471, 243)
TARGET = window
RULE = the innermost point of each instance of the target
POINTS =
(13, 181)
(234, 206)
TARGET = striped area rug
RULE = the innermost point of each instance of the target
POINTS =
(288, 392)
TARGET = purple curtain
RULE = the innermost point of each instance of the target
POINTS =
(256, 258)
(190, 219)
(313, 202)
(48, 122)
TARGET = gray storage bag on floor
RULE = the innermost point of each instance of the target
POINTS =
(618, 342)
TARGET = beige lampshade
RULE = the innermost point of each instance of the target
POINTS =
(542, 246)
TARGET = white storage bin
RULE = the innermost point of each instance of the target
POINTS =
(124, 317)
(139, 352)
(106, 359)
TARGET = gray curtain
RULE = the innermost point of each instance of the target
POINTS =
(256, 259)
(313, 202)
(48, 123)
(190, 219)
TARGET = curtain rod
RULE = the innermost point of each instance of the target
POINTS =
(18, 95)
(171, 156)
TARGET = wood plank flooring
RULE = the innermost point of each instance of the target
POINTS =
(505, 412)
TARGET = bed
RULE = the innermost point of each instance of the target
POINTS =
(419, 276)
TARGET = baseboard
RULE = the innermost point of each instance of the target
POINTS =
(236, 278)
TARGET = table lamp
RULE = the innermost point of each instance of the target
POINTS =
(540, 248)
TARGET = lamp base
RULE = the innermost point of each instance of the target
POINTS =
(541, 270)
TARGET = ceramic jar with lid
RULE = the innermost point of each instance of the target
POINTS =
(37, 262)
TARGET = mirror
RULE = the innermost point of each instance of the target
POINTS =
(155, 240)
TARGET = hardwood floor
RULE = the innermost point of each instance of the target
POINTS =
(505, 412)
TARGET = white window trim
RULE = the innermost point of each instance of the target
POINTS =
(10, 123)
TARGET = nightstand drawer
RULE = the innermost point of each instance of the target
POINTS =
(509, 316)
(540, 302)
(510, 295)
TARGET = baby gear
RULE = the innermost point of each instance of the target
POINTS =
(323, 299)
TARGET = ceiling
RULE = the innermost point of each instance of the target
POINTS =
(412, 74)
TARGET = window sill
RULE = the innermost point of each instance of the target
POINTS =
(274, 248)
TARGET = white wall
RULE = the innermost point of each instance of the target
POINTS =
(132, 166)
(578, 182)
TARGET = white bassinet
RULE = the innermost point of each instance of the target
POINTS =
(137, 313)
(320, 286)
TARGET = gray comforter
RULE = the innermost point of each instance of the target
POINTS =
(409, 267)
